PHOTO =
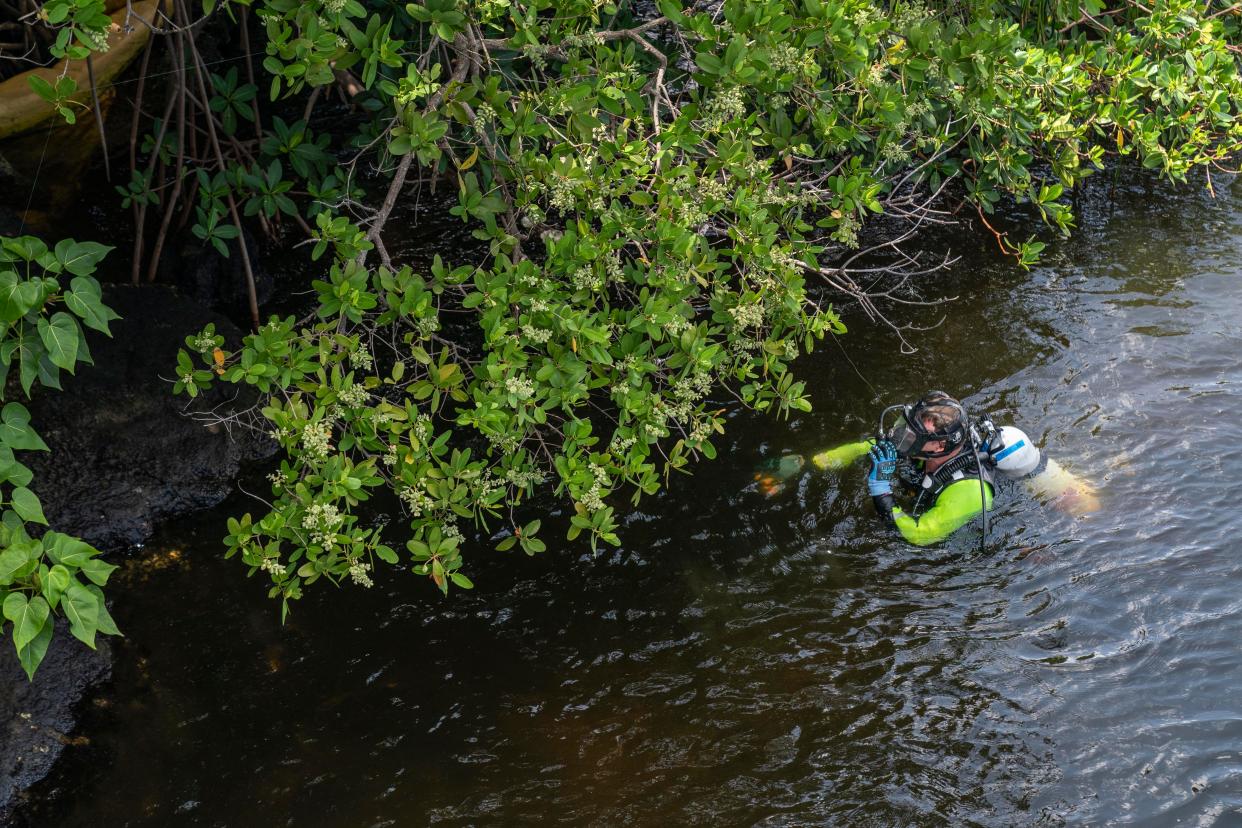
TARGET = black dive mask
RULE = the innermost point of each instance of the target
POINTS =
(910, 437)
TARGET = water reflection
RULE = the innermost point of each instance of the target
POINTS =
(771, 661)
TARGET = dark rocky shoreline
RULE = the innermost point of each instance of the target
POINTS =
(124, 458)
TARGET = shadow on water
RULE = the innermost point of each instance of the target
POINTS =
(752, 661)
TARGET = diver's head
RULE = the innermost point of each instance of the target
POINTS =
(935, 427)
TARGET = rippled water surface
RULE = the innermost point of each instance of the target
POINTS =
(784, 661)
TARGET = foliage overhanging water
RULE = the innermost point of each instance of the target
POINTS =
(748, 661)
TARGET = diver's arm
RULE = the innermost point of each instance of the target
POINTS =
(956, 506)
(842, 456)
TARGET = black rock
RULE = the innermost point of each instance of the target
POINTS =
(124, 456)
(36, 717)
(214, 281)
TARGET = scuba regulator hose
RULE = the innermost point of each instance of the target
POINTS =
(983, 495)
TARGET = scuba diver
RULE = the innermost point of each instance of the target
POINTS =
(936, 448)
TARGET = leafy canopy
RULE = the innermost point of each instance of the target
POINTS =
(667, 205)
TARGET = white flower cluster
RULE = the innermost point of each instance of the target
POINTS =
(743, 346)
(613, 267)
(520, 387)
(749, 315)
(593, 498)
(204, 343)
(334, 6)
(895, 153)
(685, 394)
(487, 487)
(416, 500)
(712, 188)
(355, 396)
(426, 326)
(585, 278)
(322, 521)
(525, 478)
(620, 445)
(505, 443)
(591, 38)
(390, 456)
(537, 55)
(702, 430)
(422, 428)
(655, 431)
(537, 335)
(726, 105)
(786, 58)
(783, 257)
(358, 574)
(917, 109)
(361, 358)
(564, 193)
(273, 567)
(907, 13)
(317, 438)
(95, 39)
(847, 231)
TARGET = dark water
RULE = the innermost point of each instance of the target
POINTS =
(776, 662)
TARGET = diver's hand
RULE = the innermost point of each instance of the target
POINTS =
(883, 467)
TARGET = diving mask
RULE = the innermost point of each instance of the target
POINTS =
(910, 436)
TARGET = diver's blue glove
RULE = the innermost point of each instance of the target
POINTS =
(883, 467)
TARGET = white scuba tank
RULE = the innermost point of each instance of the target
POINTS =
(1014, 453)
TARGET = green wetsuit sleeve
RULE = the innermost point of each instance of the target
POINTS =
(955, 507)
(842, 456)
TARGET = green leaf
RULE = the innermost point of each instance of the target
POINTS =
(14, 605)
(386, 554)
(60, 335)
(28, 617)
(15, 430)
(49, 374)
(98, 570)
(31, 656)
(68, 550)
(81, 607)
(29, 351)
(80, 258)
(41, 87)
(11, 471)
(12, 559)
(26, 504)
(84, 300)
(462, 581)
(17, 296)
(60, 577)
(106, 625)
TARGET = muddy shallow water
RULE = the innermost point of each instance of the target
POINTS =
(753, 661)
